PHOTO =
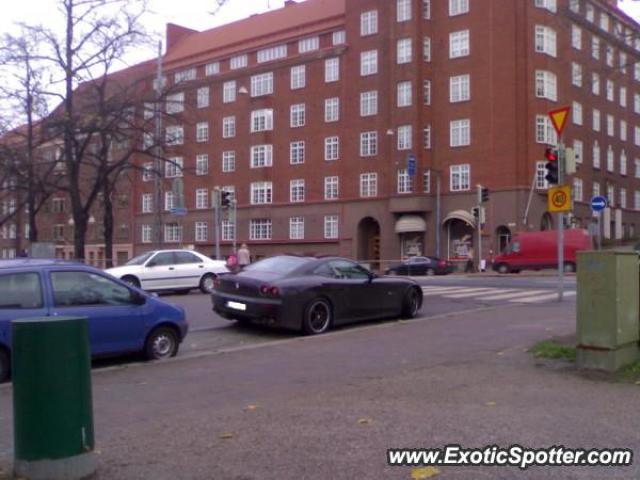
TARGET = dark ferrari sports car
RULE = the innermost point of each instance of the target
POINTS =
(312, 294)
(421, 266)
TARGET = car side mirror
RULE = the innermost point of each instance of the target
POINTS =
(138, 298)
(151, 264)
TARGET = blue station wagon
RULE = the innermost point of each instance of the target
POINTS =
(121, 318)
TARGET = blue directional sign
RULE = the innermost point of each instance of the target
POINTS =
(598, 203)
(411, 165)
(180, 212)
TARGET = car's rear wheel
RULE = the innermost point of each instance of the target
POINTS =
(161, 343)
(411, 303)
(503, 268)
(317, 317)
(430, 272)
(569, 267)
(207, 282)
(5, 366)
(131, 280)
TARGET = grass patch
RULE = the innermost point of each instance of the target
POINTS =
(554, 350)
(631, 373)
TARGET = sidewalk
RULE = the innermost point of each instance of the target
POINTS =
(329, 407)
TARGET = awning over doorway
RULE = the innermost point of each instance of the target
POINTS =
(411, 223)
(460, 215)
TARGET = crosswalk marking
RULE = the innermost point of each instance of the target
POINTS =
(550, 296)
(509, 295)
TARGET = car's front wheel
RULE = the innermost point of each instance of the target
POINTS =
(161, 343)
(503, 268)
(317, 317)
(5, 366)
(430, 272)
(411, 303)
(206, 283)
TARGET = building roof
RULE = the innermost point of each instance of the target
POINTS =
(255, 32)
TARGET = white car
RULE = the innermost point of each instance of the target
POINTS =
(179, 270)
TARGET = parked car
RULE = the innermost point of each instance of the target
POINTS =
(178, 270)
(538, 250)
(312, 294)
(121, 318)
(421, 266)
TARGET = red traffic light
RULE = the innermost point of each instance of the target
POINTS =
(551, 154)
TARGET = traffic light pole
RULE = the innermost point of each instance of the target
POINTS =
(216, 219)
(561, 158)
(479, 187)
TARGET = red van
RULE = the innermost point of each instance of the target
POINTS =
(538, 250)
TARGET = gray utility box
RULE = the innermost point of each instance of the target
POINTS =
(608, 328)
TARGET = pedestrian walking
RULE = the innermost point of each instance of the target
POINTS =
(232, 262)
(469, 266)
(244, 256)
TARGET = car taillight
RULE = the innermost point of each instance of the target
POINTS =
(274, 291)
(269, 291)
(264, 290)
(442, 263)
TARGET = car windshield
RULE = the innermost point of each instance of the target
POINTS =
(277, 264)
(140, 259)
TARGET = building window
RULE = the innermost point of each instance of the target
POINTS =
(262, 84)
(169, 200)
(368, 184)
(296, 190)
(146, 234)
(296, 228)
(623, 130)
(239, 61)
(261, 156)
(623, 198)
(576, 113)
(545, 40)
(459, 44)
(260, 229)
(330, 188)
(296, 153)
(545, 133)
(595, 120)
(426, 49)
(459, 88)
(404, 181)
(576, 74)
(369, 62)
(610, 159)
(330, 226)
(460, 133)
(331, 70)
(369, 23)
(202, 164)
(610, 90)
(403, 10)
(202, 132)
(590, 12)
(460, 177)
(622, 96)
(262, 120)
(404, 94)
(403, 51)
(458, 7)
(261, 193)
(228, 230)
(426, 92)
(174, 135)
(172, 233)
(175, 103)
(331, 148)
(426, 9)
(541, 172)
(298, 77)
(546, 85)
(147, 172)
(595, 153)
(229, 127)
(58, 232)
(577, 190)
(297, 115)
(611, 194)
(623, 163)
(578, 148)
(173, 167)
(202, 198)
(331, 109)
(595, 47)
(405, 135)
(368, 144)
(202, 100)
(426, 181)
(596, 189)
(201, 231)
(271, 53)
(229, 161)
(229, 91)
(308, 44)
(147, 203)
(636, 199)
(212, 68)
(576, 37)
(368, 103)
(426, 137)
(339, 37)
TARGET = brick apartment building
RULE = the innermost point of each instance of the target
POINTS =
(309, 114)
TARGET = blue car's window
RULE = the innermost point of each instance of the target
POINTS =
(71, 289)
(20, 290)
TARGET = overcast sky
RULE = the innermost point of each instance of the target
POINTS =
(190, 13)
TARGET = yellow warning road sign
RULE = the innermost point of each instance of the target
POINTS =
(559, 199)
(559, 118)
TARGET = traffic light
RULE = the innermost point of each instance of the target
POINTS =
(484, 195)
(225, 198)
(475, 211)
(551, 155)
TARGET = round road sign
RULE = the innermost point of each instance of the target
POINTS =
(598, 203)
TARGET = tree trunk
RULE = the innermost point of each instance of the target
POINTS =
(107, 222)
(79, 234)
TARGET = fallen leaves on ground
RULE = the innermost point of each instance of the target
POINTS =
(424, 472)
(226, 435)
(491, 404)
(364, 421)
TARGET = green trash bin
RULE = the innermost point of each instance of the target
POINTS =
(53, 416)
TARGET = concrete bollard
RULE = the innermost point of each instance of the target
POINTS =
(53, 416)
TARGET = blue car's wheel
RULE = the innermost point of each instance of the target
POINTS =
(161, 343)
